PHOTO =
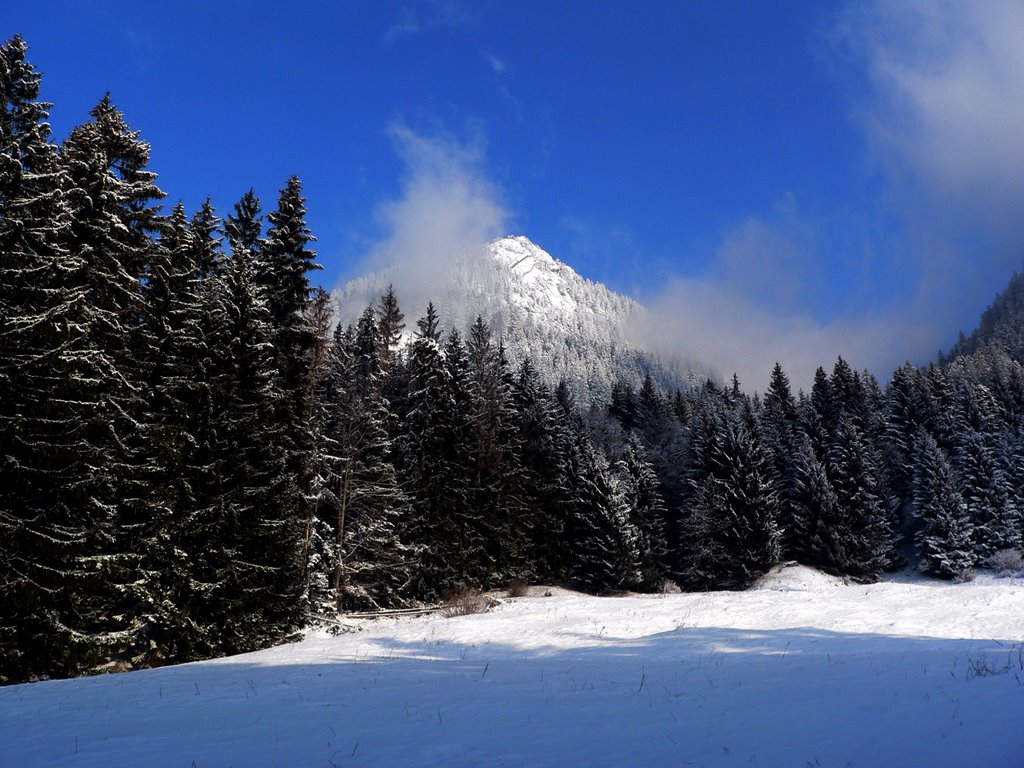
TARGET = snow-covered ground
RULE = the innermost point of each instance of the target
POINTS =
(802, 671)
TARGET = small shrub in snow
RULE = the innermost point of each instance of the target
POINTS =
(1006, 562)
(669, 587)
(985, 667)
(963, 576)
(518, 588)
(465, 602)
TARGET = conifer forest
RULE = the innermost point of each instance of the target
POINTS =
(196, 460)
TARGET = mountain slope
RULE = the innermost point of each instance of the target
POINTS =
(573, 328)
(1001, 325)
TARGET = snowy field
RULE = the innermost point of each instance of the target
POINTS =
(803, 671)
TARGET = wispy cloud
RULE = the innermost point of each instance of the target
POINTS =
(937, 87)
(755, 304)
(448, 208)
(426, 16)
(943, 109)
(500, 66)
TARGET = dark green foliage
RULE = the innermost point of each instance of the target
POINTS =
(638, 488)
(988, 496)
(41, 345)
(390, 323)
(253, 571)
(497, 478)
(542, 440)
(435, 464)
(858, 538)
(170, 461)
(604, 541)
(731, 534)
(362, 503)
(944, 536)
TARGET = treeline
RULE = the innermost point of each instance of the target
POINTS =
(197, 460)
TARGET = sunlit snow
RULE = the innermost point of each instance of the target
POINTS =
(802, 671)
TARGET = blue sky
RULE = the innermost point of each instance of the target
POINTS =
(786, 180)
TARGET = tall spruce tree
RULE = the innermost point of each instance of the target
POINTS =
(944, 535)
(390, 322)
(859, 540)
(732, 532)
(112, 196)
(283, 265)
(987, 495)
(639, 487)
(810, 499)
(253, 559)
(496, 476)
(604, 541)
(43, 338)
(431, 466)
(174, 384)
(373, 563)
(777, 431)
(543, 443)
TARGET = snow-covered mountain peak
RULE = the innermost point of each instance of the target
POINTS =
(540, 283)
(539, 307)
(526, 258)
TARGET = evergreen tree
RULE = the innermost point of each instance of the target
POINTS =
(112, 197)
(810, 499)
(776, 428)
(822, 400)
(206, 242)
(433, 466)
(732, 531)
(543, 443)
(859, 540)
(987, 496)
(639, 487)
(169, 459)
(390, 320)
(604, 541)
(909, 408)
(252, 566)
(372, 568)
(320, 399)
(42, 345)
(846, 392)
(283, 266)
(623, 406)
(496, 476)
(944, 536)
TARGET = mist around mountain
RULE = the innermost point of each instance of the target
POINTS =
(572, 328)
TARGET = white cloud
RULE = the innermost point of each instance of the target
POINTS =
(943, 111)
(947, 95)
(447, 208)
(940, 98)
(752, 308)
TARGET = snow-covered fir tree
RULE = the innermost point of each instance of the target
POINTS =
(731, 532)
(42, 343)
(944, 535)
